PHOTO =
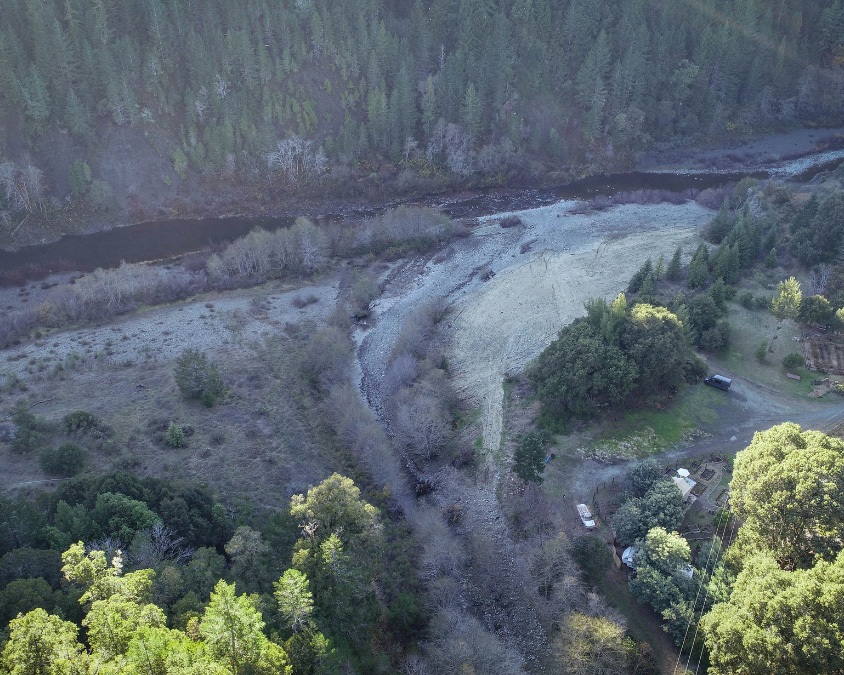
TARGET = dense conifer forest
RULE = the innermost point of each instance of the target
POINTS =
(289, 91)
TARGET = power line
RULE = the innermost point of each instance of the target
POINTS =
(700, 588)
(700, 656)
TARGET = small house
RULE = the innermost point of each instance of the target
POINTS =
(684, 483)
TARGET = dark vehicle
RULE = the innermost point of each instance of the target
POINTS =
(719, 382)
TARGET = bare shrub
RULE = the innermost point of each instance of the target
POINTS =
(401, 372)
(452, 144)
(416, 664)
(713, 198)
(356, 428)
(551, 561)
(325, 358)
(106, 293)
(16, 325)
(340, 238)
(302, 301)
(422, 422)
(417, 330)
(497, 158)
(442, 554)
(296, 159)
(641, 197)
(308, 246)
(527, 246)
(404, 226)
(362, 294)
(819, 278)
(152, 547)
(459, 643)
(260, 255)
(590, 644)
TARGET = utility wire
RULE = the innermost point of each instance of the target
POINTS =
(700, 656)
(700, 588)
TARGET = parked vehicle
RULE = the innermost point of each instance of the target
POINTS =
(586, 516)
(719, 382)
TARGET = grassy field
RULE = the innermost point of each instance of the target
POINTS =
(748, 329)
(255, 442)
(652, 428)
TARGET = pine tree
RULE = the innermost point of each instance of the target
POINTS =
(429, 106)
(471, 111)
(698, 273)
(674, 271)
(76, 116)
(37, 99)
(529, 458)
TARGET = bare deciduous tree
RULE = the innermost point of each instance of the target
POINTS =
(294, 158)
(157, 544)
(459, 643)
(422, 421)
(819, 278)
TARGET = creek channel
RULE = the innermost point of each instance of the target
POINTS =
(164, 239)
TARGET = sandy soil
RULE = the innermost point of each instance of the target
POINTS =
(215, 323)
(500, 328)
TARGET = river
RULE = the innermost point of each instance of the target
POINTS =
(164, 239)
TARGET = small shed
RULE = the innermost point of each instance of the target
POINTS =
(627, 557)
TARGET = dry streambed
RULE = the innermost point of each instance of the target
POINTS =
(543, 272)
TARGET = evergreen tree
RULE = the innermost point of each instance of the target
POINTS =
(529, 458)
(698, 273)
(471, 111)
(674, 271)
(786, 303)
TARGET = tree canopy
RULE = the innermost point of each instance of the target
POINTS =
(782, 614)
(779, 621)
(469, 86)
(602, 359)
(788, 488)
(786, 303)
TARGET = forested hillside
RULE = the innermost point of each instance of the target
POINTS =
(288, 91)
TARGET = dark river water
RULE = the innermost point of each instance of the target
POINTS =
(166, 239)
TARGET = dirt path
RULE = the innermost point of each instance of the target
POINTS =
(748, 408)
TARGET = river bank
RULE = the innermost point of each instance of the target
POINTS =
(230, 211)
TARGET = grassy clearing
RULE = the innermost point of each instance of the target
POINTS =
(558, 472)
(651, 430)
(748, 329)
(256, 442)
